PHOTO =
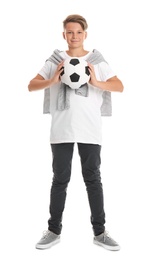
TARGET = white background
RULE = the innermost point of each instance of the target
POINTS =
(30, 31)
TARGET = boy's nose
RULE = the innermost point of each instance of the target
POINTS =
(74, 35)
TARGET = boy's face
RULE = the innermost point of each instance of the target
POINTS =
(74, 35)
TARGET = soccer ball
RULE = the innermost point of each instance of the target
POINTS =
(75, 72)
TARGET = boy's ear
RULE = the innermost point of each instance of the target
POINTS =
(64, 35)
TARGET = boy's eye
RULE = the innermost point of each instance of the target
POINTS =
(71, 32)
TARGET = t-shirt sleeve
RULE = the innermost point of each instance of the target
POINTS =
(105, 71)
(45, 71)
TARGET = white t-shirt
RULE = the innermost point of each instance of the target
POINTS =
(81, 123)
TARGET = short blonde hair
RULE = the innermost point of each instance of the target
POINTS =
(76, 18)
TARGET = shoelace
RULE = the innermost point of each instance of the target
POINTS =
(106, 235)
(45, 234)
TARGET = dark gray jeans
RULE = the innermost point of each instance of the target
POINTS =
(90, 161)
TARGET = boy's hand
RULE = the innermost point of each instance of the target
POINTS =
(56, 76)
(93, 81)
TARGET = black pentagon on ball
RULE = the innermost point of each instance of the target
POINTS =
(74, 62)
(74, 77)
(87, 70)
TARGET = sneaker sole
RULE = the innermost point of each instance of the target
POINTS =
(47, 246)
(111, 248)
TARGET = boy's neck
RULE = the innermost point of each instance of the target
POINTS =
(77, 52)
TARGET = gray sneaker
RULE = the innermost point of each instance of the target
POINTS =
(49, 239)
(106, 241)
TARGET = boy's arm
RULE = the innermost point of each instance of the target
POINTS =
(112, 84)
(39, 82)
